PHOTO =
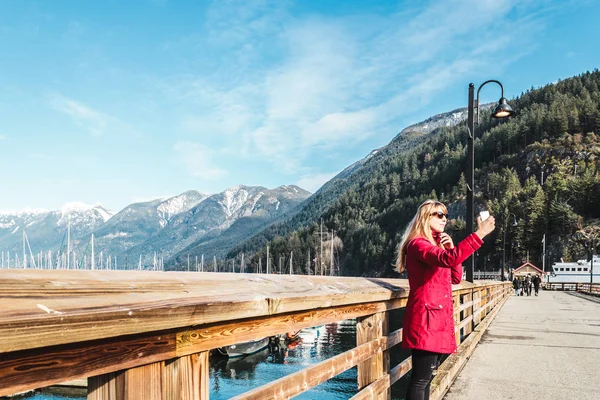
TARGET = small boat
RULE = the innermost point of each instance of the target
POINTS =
(311, 335)
(245, 348)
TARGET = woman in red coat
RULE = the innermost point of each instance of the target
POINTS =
(433, 264)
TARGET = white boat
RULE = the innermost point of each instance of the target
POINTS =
(245, 348)
(573, 272)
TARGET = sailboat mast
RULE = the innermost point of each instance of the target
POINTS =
(331, 263)
(24, 254)
(69, 243)
(93, 257)
(267, 259)
(321, 258)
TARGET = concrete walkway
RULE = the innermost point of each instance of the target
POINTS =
(545, 347)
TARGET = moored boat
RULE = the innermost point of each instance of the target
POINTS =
(245, 348)
(575, 272)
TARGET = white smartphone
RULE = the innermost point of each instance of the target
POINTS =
(484, 215)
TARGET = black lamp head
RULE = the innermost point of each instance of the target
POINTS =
(502, 110)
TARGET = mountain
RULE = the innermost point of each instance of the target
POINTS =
(192, 221)
(540, 167)
(47, 230)
(351, 178)
(138, 222)
(214, 225)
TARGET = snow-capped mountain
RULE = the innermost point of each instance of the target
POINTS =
(47, 230)
(162, 225)
(139, 221)
(215, 215)
(451, 118)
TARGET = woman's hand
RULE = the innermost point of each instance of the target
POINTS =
(486, 227)
(446, 241)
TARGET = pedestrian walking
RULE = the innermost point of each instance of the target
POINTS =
(433, 264)
(516, 285)
(536, 284)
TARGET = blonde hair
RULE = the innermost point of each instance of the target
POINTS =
(419, 226)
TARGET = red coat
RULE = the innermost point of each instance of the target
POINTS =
(428, 318)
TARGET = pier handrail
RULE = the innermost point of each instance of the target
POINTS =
(149, 333)
(587, 288)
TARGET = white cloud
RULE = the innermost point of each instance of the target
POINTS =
(82, 115)
(3, 137)
(313, 182)
(331, 83)
(199, 160)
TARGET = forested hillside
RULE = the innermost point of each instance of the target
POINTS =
(537, 172)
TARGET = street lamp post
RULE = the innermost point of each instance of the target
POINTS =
(502, 110)
(592, 265)
(504, 242)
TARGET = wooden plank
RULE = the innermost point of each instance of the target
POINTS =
(309, 377)
(143, 383)
(68, 306)
(108, 386)
(140, 383)
(367, 329)
(186, 378)
(467, 314)
(30, 369)
(456, 306)
(214, 336)
(476, 307)
(464, 323)
(385, 382)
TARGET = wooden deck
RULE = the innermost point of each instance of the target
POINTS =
(537, 348)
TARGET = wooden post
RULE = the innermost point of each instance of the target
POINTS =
(135, 383)
(476, 307)
(107, 386)
(468, 312)
(367, 329)
(186, 378)
(456, 299)
(182, 378)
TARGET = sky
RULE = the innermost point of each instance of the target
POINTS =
(116, 102)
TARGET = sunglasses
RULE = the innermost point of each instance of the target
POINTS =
(439, 214)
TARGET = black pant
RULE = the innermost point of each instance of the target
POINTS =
(424, 363)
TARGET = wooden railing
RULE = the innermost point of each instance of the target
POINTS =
(588, 288)
(147, 335)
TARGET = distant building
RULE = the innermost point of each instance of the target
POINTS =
(528, 269)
